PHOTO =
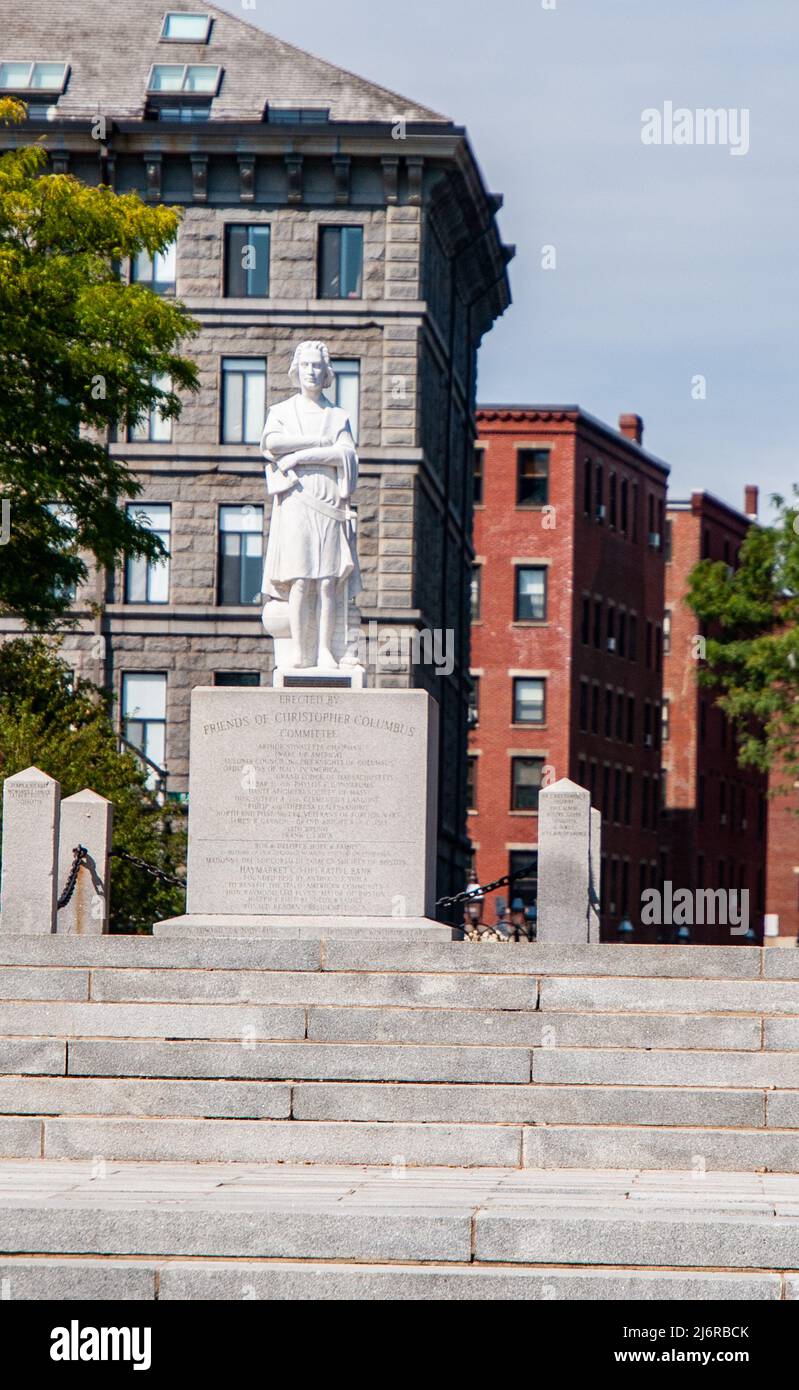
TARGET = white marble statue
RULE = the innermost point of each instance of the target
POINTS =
(311, 572)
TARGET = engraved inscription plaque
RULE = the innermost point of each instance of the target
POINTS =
(312, 802)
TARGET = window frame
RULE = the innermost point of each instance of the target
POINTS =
(151, 566)
(325, 229)
(524, 568)
(224, 374)
(164, 37)
(32, 64)
(206, 93)
(529, 723)
(221, 531)
(248, 228)
(516, 760)
(521, 450)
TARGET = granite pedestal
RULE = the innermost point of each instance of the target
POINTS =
(312, 812)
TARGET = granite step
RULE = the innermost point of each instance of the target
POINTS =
(399, 1144)
(406, 1102)
(616, 961)
(133, 1280)
(455, 1221)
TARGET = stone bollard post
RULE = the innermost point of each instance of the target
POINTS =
(595, 877)
(564, 855)
(86, 819)
(29, 888)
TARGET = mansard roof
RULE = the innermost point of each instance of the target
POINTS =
(110, 49)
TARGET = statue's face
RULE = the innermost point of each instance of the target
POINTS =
(311, 368)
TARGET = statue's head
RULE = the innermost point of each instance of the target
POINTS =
(311, 366)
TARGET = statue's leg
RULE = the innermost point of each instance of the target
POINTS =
(299, 606)
(328, 602)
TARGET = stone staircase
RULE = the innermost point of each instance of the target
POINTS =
(591, 1119)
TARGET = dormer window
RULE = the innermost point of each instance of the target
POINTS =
(298, 115)
(185, 28)
(185, 78)
(33, 77)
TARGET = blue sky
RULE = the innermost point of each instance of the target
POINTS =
(672, 262)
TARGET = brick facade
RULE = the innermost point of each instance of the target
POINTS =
(716, 810)
(597, 535)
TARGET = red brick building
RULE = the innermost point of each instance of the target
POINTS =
(716, 811)
(567, 641)
(782, 863)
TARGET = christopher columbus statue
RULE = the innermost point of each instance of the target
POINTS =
(311, 571)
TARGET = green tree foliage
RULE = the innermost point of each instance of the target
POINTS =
(752, 614)
(64, 727)
(80, 353)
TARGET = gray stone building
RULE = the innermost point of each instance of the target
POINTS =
(316, 204)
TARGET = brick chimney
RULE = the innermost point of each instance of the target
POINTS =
(752, 502)
(632, 427)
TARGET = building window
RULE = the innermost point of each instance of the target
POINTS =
(611, 628)
(666, 725)
(587, 479)
(645, 802)
(608, 712)
(158, 272)
(247, 249)
(33, 77)
(598, 623)
(526, 781)
(583, 714)
(619, 731)
(628, 797)
(184, 77)
(471, 784)
(340, 262)
(632, 645)
(613, 500)
(474, 703)
(298, 115)
(532, 477)
(237, 679)
(66, 521)
(144, 715)
(186, 28)
(475, 592)
(649, 635)
(625, 506)
(531, 594)
(243, 399)
(599, 494)
(622, 635)
(479, 475)
(525, 887)
(617, 784)
(648, 739)
(147, 581)
(585, 625)
(631, 719)
(184, 111)
(635, 512)
(667, 632)
(240, 555)
(346, 390)
(529, 701)
(658, 648)
(595, 708)
(153, 428)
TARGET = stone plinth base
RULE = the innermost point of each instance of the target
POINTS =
(403, 930)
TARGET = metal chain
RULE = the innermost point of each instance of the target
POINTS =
(79, 856)
(480, 892)
(148, 868)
